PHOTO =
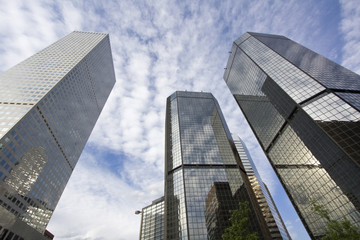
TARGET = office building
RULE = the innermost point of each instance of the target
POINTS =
(218, 209)
(204, 178)
(152, 221)
(304, 111)
(49, 104)
(268, 208)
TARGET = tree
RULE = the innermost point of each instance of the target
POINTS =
(239, 229)
(336, 230)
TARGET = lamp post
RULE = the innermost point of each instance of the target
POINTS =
(137, 212)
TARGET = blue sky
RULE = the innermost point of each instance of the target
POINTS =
(160, 47)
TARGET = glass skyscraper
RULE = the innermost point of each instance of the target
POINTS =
(152, 221)
(269, 210)
(49, 104)
(304, 110)
(203, 180)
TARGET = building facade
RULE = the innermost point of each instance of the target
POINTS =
(268, 208)
(304, 111)
(203, 180)
(49, 104)
(152, 221)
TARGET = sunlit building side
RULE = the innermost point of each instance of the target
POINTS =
(49, 104)
(269, 210)
(304, 111)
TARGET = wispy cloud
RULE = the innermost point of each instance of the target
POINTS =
(25, 28)
(350, 13)
(99, 202)
(158, 47)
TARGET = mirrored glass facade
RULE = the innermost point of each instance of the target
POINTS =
(269, 210)
(304, 110)
(203, 181)
(49, 104)
(152, 221)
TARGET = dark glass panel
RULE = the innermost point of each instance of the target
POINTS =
(352, 98)
(262, 116)
(329, 73)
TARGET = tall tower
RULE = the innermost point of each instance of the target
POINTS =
(202, 178)
(49, 104)
(304, 110)
(268, 208)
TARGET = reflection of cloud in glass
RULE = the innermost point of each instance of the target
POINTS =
(26, 172)
(21, 188)
(243, 69)
(197, 135)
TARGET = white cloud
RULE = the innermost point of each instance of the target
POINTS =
(23, 32)
(72, 18)
(350, 12)
(98, 204)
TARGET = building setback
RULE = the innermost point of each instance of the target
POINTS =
(304, 110)
(49, 104)
(203, 180)
(272, 216)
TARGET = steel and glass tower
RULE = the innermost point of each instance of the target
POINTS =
(203, 180)
(268, 208)
(49, 104)
(152, 221)
(304, 110)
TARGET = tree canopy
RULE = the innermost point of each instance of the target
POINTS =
(336, 230)
(239, 229)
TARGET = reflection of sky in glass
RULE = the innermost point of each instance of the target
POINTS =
(328, 73)
(293, 81)
(245, 77)
(175, 136)
(175, 218)
(197, 136)
(331, 108)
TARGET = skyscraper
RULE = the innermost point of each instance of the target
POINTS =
(304, 110)
(152, 221)
(203, 180)
(49, 104)
(272, 216)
